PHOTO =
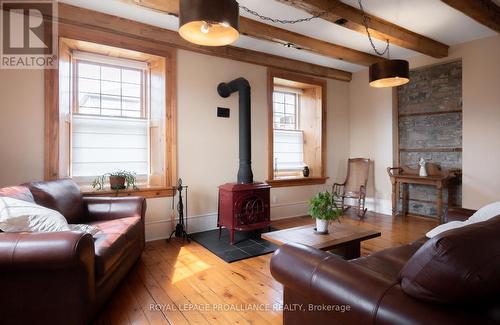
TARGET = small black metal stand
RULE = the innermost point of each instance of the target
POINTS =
(181, 227)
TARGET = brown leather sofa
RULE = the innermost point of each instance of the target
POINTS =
(453, 278)
(65, 277)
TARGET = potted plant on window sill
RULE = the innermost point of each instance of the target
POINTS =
(324, 209)
(119, 180)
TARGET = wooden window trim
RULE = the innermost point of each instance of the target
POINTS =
(301, 79)
(51, 104)
(147, 192)
(297, 181)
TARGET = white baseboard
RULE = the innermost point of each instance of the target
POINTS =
(289, 210)
(161, 229)
(381, 206)
(376, 205)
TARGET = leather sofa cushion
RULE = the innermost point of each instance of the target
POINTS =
(60, 195)
(458, 266)
(18, 192)
(389, 262)
(113, 242)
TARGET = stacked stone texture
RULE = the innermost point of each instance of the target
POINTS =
(437, 88)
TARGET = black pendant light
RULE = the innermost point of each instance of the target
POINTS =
(389, 73)
(209, 22)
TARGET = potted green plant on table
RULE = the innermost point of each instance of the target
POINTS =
(324, 209)
(119, 180)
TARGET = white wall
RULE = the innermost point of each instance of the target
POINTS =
(359, 124)
(371, 137)
(21, 126)
(371, 127)
(208, 146)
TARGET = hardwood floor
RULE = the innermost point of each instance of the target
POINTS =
(180, 283)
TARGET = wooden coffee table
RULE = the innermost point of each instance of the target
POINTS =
(342, 239)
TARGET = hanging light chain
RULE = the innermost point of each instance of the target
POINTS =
(319, 15)
(365, 23)
(286, 21)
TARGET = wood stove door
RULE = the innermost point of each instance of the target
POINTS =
(250, 209)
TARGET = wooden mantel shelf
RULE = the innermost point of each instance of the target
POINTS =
(302, 181)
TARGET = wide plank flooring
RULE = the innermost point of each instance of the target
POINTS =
(178, 283)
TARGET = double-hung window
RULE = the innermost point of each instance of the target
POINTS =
(288, 138)
(112, 108)
(297, 128)
(110, 118)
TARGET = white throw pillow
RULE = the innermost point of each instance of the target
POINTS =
(485, 213)
(444, 227)
(89, 229)
(21, 216)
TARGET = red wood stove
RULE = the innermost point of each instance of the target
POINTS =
(243, 207)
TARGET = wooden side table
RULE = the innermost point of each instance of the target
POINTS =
(437, 177)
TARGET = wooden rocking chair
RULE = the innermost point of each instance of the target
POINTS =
(354, 186)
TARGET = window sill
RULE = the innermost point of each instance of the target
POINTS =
(303, 181)
(147, 192)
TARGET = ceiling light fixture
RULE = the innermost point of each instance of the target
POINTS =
(216, 22)
(387, 73)
(209, 22)
(390, 73)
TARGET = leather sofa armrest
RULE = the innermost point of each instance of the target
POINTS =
(46, 251)
(458, 214)
(325, 278)
(109, 208)
(47, 278)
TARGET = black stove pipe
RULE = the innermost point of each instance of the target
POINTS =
(241, 85)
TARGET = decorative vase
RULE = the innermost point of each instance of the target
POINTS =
(117, 182)
(322, 226)
(423, 169)
(306, 171)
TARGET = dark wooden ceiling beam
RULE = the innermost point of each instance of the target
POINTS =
(258, 30)
(352, 18)
(485, 12)
(120, 26)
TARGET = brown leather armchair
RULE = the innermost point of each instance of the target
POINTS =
(65, 277)
(453, 278)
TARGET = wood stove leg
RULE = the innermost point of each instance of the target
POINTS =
(231, 236)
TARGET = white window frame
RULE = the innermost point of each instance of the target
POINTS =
(290, 171)
(120, 63)
(296, 94)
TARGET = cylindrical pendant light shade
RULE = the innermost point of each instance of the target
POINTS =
(389, 73)
(209, 22)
